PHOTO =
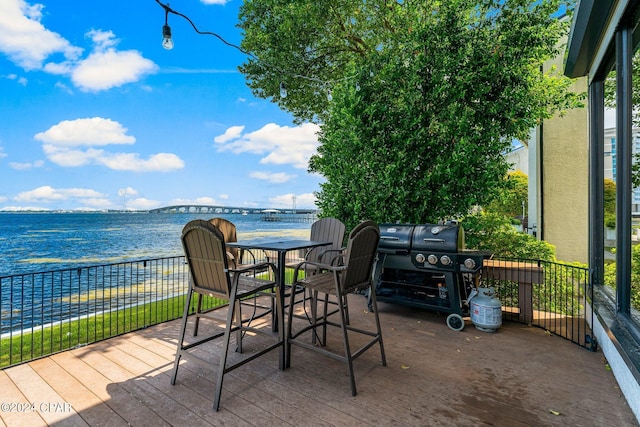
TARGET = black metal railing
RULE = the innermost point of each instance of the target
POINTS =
(44, 313)
(551, 295)
(48, 312)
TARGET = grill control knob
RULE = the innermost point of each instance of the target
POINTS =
(433, 260)
(470, 263)
(445, 260)
(420, 258)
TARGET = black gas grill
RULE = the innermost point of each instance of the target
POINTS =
(426, 265)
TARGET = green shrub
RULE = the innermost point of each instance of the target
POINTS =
(493, 232)
(610, 276)
(610, 220)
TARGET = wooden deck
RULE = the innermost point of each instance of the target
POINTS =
(517, 376)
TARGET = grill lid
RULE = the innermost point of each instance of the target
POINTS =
(404, 238)
(395, 238)
(442, 238)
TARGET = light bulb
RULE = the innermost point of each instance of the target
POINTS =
(329, 95)
(283, 90)
(167, 42)
(357, 87)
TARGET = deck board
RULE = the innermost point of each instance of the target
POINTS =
(10, 393)
(515, 376)
(69, 389)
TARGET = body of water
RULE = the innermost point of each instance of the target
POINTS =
(36, 242)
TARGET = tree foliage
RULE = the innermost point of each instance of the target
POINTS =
(514, 194)
(610, 101)
(493, 232)
(610, 276)
(609, 203)
(427, 95)
(610, 88)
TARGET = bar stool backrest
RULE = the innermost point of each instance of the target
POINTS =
(205, 252)
(359, 257)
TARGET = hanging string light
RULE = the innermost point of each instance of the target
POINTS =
(167, 43)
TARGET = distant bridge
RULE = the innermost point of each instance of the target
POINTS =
(211, 209)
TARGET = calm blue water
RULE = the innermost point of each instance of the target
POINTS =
(36, 242)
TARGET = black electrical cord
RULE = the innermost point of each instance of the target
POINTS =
(168, 10)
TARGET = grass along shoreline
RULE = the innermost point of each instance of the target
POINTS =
(43, 340)
(23, 346)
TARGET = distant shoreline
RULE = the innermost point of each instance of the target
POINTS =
(293, 232)
(34, 242)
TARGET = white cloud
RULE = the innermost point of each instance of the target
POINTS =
(105, 67)
(221, 2)
(127, 192)
(63, 87)
(19, 79)
(103, 40)
(25, 40)
(71, 143)
(91, 132)
(61, 68)
(26, 166)
(276, 178)
(224, 196)
(103, 70)
(48, 194)
(30, 45)
(161, 162)
(285, 201)
(281, 144)
(142, 204)
(65, 157)
(230, 134)
(2, 153)
(3, 199)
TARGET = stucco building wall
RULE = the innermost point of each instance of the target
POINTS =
(563, 152)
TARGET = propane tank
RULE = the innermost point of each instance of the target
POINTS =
(486, 310)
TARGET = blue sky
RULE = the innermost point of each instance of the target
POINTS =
(95, 114)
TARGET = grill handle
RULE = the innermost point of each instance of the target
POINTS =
(389, 238)
(428, 240)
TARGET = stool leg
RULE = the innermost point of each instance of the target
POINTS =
(183, 330)
(198, 311)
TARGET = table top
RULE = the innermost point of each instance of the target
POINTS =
(278, 245)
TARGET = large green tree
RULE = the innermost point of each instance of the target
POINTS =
(513, 199)
(425, 95)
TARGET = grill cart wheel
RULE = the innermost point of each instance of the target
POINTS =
(455, 322)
